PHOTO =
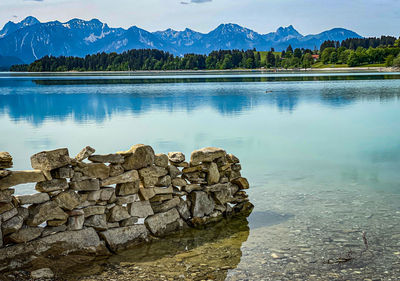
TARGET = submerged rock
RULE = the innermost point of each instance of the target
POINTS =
(201, 204)
(25, 234)
(57, 246)
(42, 273)
(162, 223)
(120, 238)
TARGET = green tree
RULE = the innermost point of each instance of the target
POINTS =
(289, 49)
(307, 60)
(389, 60)
(334, 57)
(227, 63)
(326, 54)
(396, 61)
(270, 60)
(297, 53)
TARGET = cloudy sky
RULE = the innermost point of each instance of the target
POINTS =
(367, 17)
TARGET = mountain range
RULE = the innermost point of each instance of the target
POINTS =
(30, 39)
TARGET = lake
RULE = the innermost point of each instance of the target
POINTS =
(321, 152)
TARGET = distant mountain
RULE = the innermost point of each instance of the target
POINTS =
(30, 39)
(6, 62)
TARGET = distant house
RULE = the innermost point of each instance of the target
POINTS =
(315, 57)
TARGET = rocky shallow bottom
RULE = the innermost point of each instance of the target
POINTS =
(317, 234)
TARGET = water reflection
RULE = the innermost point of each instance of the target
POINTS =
(196, 254)
(38, 100)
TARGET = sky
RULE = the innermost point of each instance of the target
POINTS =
(366, 17)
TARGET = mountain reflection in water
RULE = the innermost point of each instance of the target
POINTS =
(98, 99)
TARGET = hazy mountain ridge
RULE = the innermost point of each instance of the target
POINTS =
(30, 39)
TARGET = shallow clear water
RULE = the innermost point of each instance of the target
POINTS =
(322, 152)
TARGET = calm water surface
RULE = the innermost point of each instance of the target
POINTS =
(322, 154)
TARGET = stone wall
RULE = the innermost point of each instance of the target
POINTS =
(99, 204)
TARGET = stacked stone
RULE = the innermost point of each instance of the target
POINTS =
(124, 197)
(213, 183)
(7, 208)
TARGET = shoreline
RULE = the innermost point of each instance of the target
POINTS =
(224, 71)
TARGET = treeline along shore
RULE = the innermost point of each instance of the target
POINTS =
(384, 51)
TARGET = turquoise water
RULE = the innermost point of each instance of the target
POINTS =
(323, 150)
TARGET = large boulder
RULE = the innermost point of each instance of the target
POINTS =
(4, 173)
(5, 160)
(173, 171)
(21, 177)
(125, 237)
(163, 223)
(94, 210)
(118, 213)
(12, 225)
(25, 235)
(67, 200)
(123, 200)
(93, 170)
(8, 213)
(98, 222)
(6, 195)
(213, 174)
(164, 181)
(130, 176)
(140, 209)
(49, 160)
(109, 158)
(116, 170)
(51, 185)
(5, 207)
(176, 157)
(179, 182)
(76, 222)
(242, 183)
(85, 185)
(207, 154)
(62, 173)
(139, 156)
(161, 160)
(53, 248)
(223, 193)
(43, 273)
(183, 209)
(38, 214)
(123, 189)
(36, 198)
(150, 175)
(165, 206)
(201, 204)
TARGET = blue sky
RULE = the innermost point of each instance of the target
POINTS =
(367, 17)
